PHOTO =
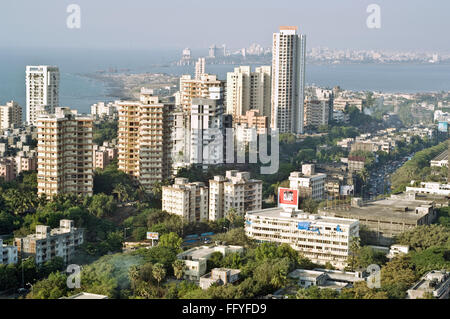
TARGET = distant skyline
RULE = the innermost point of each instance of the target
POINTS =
(406, 25)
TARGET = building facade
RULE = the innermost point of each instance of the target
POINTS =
(187, 200)
(308, 183)
(321, 239)
(10, 115)
(65, 163)
(235, 191)
(48, 243)
(8, 254)
(144, 139)
(288, 80)
(316, 113)
(42, 91)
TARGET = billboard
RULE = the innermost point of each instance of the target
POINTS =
(443, 127)
(346, 190)
(153, 236)
(287, 197)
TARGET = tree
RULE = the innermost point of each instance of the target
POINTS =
(133, 275)
(54, 287)
(179, 267)
(159, 272)
(354, 250)
(425, 236)
(171, 240)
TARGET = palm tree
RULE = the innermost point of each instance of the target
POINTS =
(179, 267)
(159, 272)
(355, 246)
(121, 191)
(231, 216)
(133, 274)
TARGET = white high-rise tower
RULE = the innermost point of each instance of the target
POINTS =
(288, 80)
(42, 85)
(199, 68)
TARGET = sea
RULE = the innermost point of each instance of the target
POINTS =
(79, 91)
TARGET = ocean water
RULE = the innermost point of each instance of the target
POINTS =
(79, 92)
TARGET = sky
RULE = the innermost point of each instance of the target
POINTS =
(406, 25)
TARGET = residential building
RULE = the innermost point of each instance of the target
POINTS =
(102, 110)
(187, 200)
(386, 218)
(65, 163)
(26, 161)
(48, 243)
(144, 139)
(42, 91)
(321, 239)
(219, 276)
(252, 119)
(288, 80)
(10, 115)
(396, 250)
(356, 163)
(196, 258)
(8, 254)
(198, 88)
(430, 188)
(441, 160)
(308, 183)
(325, 278)
(199, 68)
(316, 112)
(248, 90)
(340, 103)
(7, 169)
(101, 159)
(435, 283)
(235, 191)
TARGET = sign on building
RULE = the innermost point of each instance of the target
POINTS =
(152, 236)
(287, 197)
(443, 127)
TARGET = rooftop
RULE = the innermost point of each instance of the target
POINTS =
(86, 295)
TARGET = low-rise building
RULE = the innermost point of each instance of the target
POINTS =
(8, 254)
(441, 160)
(386, 218)
(219, 276)
(196, 258)
(308, 183)
(7, 169)
(85, 295)
(236, 191)
(46, 244)
(324, 278)
(356, 163)
(434, 282)
(321, 239)
(396, 250)
(187, 200)
(430, 188)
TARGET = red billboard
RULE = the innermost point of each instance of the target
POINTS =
(288, 197)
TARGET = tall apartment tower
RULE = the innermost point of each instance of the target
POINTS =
(10, 115)
(143, 139)
(65, 163)
(197, 88)
(288, 80)
(248, 90)
(42, 91)
(199, 68)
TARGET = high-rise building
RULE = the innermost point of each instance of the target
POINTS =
(288, 80)
(144, 139)
(316, 112)
(187, 200)
(197, 88)
(42, 91)
(235, 191)
(10, 115)
(248, 90)
(208, 129)
(65, 163)
(199, 68)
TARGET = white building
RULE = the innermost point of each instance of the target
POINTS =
(187, 200)
(199, 68)
(219, 276)
(102, 110)
(308, 183)
(236, 191)
(434, 282)
(46, 244)
(10, 115)
(207, 129)
(288, 80)
(321, 239)
(42, 91)
(249, 90)
(196, 258)
(8, 254)
(431, 188)
(324, 278)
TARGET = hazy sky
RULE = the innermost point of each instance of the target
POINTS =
(150, 24)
